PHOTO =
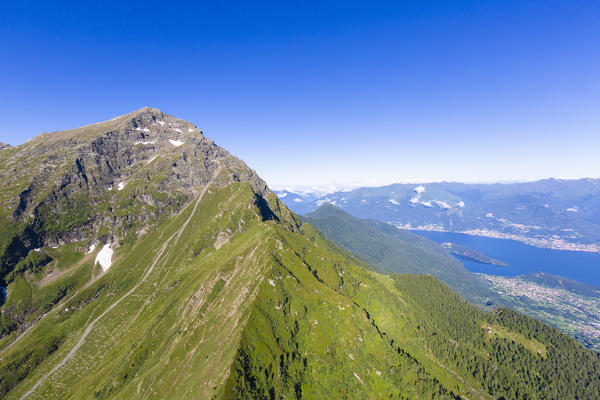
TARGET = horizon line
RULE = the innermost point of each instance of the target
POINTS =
(337, 187)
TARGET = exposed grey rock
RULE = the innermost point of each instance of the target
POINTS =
(119, 176)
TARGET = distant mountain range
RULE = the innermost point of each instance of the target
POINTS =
(553, 213)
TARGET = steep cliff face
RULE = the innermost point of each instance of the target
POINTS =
(105, 181)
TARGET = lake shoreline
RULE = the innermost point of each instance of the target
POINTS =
(522, 258)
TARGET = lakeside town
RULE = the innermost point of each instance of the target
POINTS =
(573, 313)
(553, 242)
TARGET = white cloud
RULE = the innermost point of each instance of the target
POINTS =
(442, 204)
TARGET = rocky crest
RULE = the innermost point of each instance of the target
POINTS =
(111, 179)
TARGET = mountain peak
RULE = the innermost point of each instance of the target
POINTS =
(147, 109)
(146, 159)
(137, 125)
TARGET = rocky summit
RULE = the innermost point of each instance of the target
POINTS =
(140, 260)
(105, 181)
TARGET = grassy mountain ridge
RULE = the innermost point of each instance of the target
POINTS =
(391, 250)
(230, 295)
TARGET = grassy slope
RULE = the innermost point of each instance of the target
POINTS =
(177, 336)
(423, 338)
(391, 250)
(273, 311)
(180, 282)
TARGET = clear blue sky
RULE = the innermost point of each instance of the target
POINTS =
(324, 92)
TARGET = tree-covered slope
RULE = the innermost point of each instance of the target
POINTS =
(391, 250)
(230, 296)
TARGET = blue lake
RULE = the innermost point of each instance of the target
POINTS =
(522, 258)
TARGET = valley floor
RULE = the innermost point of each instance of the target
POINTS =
(574, 314)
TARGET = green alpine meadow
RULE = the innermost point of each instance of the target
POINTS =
(142, 261)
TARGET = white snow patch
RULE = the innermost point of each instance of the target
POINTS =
(271, 282)
(489, 215)
(104, 257)
(426, 204)
(146, 130)
(138, 129)
(176, 143)
(420, 189)
(92, 248)
(191, 130)
(177, 130)
(282, 195)
(149, 142)
(297, 200)
(38, 249)
(161, 122)
(460, 204)
(121, 186)
(573, 209)
(414, 200)
(393, 201)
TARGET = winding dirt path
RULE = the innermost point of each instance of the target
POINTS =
(149, 270)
